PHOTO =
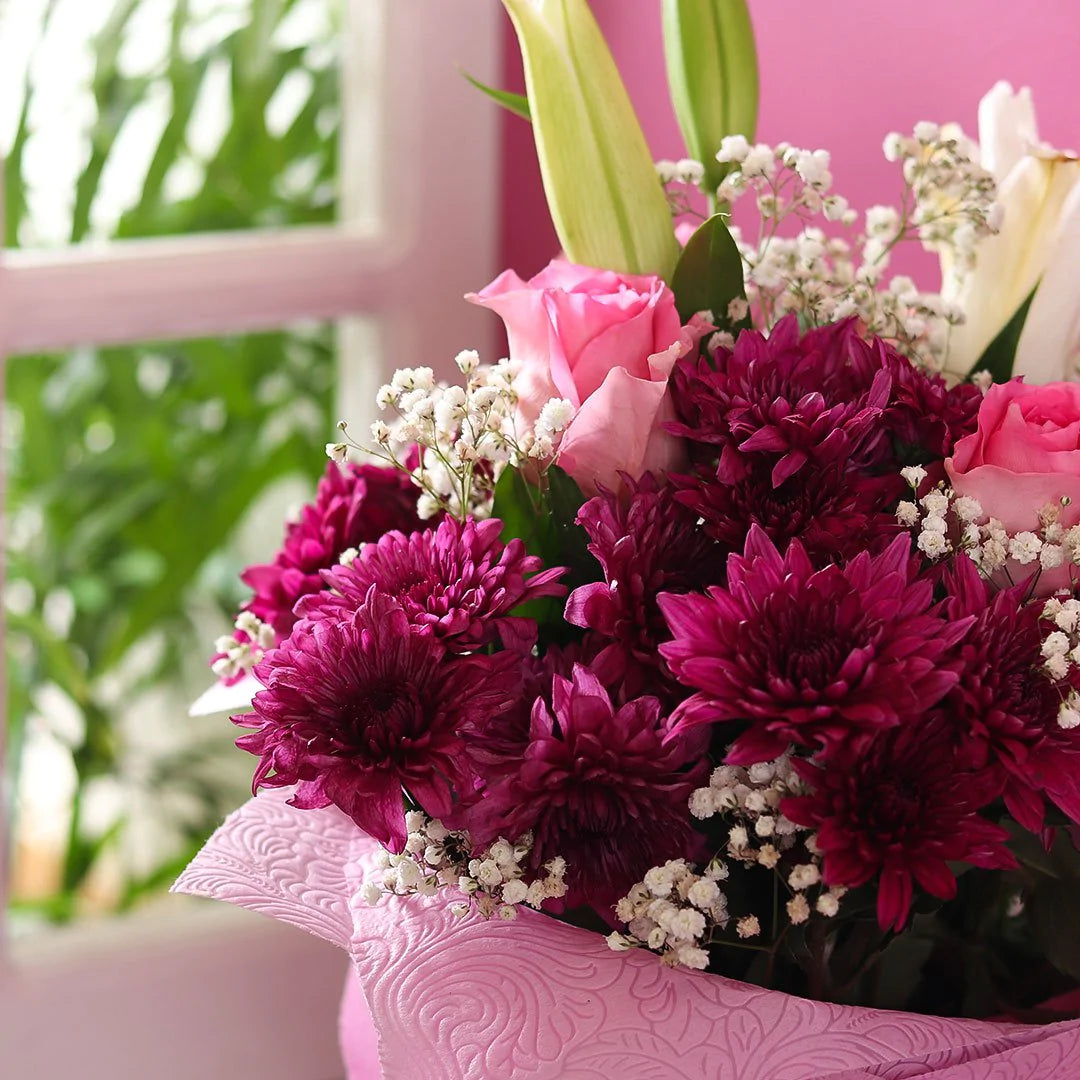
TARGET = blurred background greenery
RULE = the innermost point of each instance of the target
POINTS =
(137, 477)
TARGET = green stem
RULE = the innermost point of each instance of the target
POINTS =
(739, 945)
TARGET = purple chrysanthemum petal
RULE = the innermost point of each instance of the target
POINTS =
(598, 785)
(818, 658)
(900, 810)
(458, 582)
(646, 544)
(1004, 709)
(356, 709)
(354, 505)
(805, 434)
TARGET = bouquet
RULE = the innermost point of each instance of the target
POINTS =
(734, 616)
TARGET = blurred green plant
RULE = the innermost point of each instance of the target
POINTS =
(128, 470)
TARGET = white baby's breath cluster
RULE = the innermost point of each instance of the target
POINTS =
(943, 522)
(1061, 654)
(947, 204)
(675, 911)
(684, 171)
(1003, 558)
(679, 178)
(240, 654)
(953, 196)
(465, 434)
(492, 882)
(679, 912)
(759, 834)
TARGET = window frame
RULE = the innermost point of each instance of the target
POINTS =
(194, 989)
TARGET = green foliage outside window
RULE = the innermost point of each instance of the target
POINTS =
(129, 470)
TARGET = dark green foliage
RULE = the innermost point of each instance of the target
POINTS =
(709, 274)
(1000, 354)
(544, 519)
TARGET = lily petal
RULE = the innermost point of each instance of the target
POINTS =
(1049, 347)
(1007, 128)
(1010, 264)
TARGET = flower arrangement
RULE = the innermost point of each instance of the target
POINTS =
(734, 614)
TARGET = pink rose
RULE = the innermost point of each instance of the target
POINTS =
(1024, 455)
(606, 342)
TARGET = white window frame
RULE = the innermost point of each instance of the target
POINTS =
(205, 991)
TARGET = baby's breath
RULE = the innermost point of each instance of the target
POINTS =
(463, 436)
(238, 654)
(493, 881)
(944, 522)
(947, 204)
(680, 911)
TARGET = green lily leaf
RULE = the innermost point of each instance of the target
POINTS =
(518, 104)
(712, 75)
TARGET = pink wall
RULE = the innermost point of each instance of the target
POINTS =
(836, 74)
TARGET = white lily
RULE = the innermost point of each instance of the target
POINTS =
(1037, 248)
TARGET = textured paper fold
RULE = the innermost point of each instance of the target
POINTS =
(473, 999)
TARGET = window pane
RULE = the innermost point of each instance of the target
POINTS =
(126, 118)
(139, 482)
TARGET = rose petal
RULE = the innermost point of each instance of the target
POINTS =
(617, 430)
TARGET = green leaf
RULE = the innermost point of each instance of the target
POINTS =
(519, 507)
(544, 519)
(518, 104)
(524, 515)
(1062, 861)
(607, 205)
(565, 499)
(709, 274)
(1000, 354)
(1030, 852)
(712, 75)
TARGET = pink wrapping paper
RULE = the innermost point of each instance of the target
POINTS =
(474, 999)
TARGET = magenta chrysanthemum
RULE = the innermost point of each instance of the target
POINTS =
(458, 581)
(819, 658)
(901, 810)
(805, 436)
(924, 412)
(353, 505)
(833, 511)
(1004, 710)
(597, 785)
(825, 396)
(355, 710)
(646, 546)
(817, 397)
(498, 743)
